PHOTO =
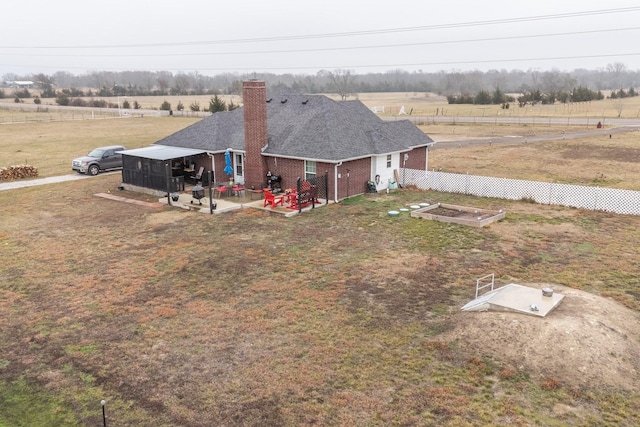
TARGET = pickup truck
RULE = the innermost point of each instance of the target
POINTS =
(100, 159)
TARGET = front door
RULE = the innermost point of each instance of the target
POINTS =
(238, 172)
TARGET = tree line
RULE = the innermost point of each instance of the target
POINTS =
(345, 83)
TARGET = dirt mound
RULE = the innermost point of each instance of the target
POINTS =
(587, 341)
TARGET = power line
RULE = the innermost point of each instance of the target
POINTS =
(387, 66)
(345, 34)
(381, 46)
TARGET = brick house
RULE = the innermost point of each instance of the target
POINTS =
(292, 135)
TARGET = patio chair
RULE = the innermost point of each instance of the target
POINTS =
(221, 189)
(271, 199)
(198, 177)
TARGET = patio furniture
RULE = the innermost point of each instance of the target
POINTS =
(308, 195)
(253, 191)
(220, 189)
(198, 177)
(271, 200)
(237, 189)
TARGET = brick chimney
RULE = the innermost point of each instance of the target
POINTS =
(254, 95)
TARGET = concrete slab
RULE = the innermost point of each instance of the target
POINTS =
(226, 204)
(516, 298)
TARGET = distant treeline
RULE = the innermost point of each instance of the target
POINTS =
(457, 85)
(578, 94)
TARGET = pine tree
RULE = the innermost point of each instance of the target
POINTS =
(217, 104)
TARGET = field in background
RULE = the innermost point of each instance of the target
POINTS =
(595, 160)
(416, 104)
(429, 104)
(51, 146)
(599, 160)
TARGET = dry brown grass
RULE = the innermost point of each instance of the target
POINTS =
(333, 317)
(598, 160)
(429, 104)
(51, 146)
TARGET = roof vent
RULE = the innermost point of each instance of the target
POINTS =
(283, 101)
(305, 102)
(269, 100)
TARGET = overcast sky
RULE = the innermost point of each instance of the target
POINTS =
(304, 36)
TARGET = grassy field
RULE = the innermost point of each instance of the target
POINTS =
(419, 103)
(333, 317)
(51, 146)
(596, 161)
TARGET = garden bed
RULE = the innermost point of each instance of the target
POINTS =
(464, 215)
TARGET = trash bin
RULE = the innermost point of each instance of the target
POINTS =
(371, 187)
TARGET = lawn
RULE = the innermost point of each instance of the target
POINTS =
(333, 317)
(50, 146)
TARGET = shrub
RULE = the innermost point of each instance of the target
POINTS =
(37, 100)
(62, 99)
(24, 93)
(217, 104)
(166, 106)
(98, 103)
(77, 102)
(482, 98)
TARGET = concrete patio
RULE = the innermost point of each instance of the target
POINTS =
(229, 203)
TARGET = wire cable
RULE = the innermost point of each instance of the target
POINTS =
(344, 34)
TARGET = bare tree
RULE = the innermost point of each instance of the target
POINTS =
(618, 104)
(617, 69)
(180, 85)
(341, 81)
(164, 80)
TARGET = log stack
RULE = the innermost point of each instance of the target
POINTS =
(18, 172)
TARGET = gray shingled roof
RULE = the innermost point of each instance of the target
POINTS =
(310, 127)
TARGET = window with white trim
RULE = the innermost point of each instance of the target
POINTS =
(388, 161)
(309, 169)
(239, 165)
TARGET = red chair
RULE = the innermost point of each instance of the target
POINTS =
(237, 189)
(271, 199)
(221, 189)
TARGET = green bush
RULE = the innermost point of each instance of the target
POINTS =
(24, 93)
(62, 99)
(217, 104)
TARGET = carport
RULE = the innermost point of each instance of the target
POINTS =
(158, 167)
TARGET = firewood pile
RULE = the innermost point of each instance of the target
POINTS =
(17, 172)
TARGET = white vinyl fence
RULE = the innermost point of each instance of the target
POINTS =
(577, 196)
